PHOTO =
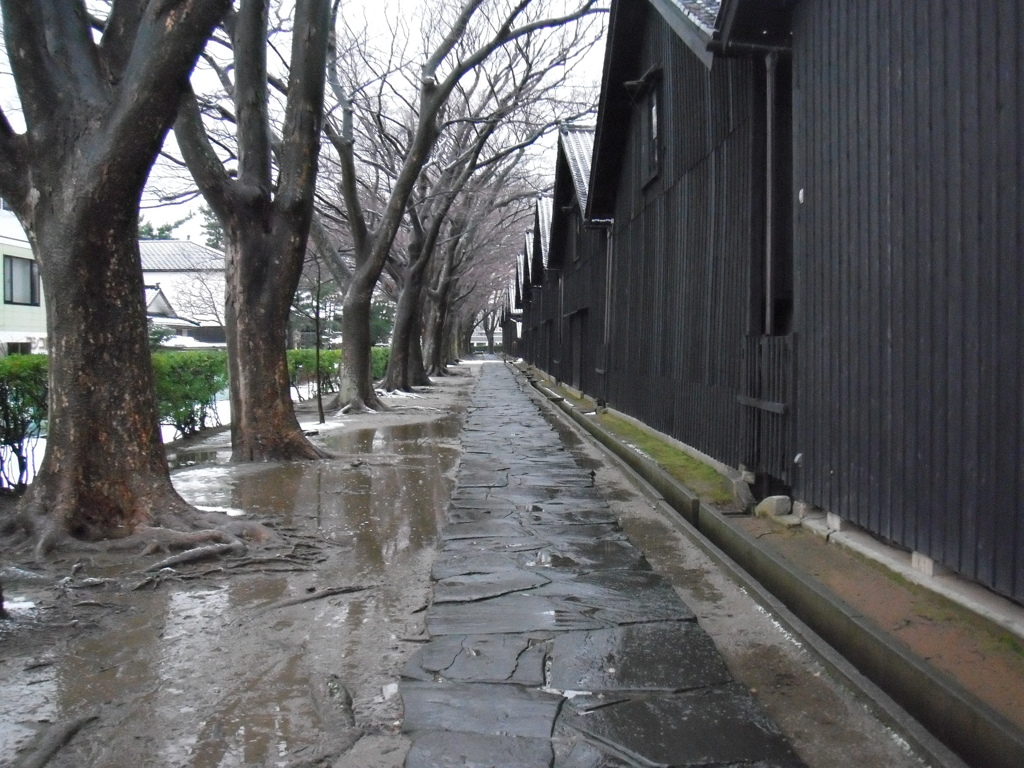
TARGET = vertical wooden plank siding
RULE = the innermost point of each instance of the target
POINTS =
(908, 147)
(683, 246)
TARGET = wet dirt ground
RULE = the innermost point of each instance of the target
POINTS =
(211, 667)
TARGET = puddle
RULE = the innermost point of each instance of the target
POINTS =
(186, 674)
(188, 458)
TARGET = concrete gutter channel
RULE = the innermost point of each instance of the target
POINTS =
(906, 691)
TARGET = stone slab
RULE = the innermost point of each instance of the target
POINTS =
(504, 528)
(574, 532)
(515, 658)
(481, 708)
(621, 597)
(481, 586)
(584, 755)
(461, 562)
(669, 656)
(710, 727)
(523, 543)
(522, 612)
(569, 514)
(482, 478)
(583, 556)
(477, 514)
(469, 750)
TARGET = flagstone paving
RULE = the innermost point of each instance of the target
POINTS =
(552, 642)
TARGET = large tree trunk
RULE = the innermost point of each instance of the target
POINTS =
(399, 373)
(96, 116)
(266, 221)
(104, 471)
(417, 368)
(263, 270)
(464, 339)
(356, 390)
(437, 353)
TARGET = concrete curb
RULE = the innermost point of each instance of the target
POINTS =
(961, 721)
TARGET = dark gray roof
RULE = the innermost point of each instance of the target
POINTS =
(526, 263)
(178, 256)
(578, 145)
(702, 12)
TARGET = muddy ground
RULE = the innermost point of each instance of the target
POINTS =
(207, 665)
(290, 655)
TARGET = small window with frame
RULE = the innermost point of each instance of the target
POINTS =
(21, 281)
(651, 130)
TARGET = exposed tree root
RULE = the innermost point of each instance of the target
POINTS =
(356, 406)
(197, 553)
(310, 598)
(50, 741)
(333, 703)
(161, 522)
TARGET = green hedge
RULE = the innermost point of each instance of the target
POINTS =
(379, 361)
(187, 384)
(302, 369)
(23, 390)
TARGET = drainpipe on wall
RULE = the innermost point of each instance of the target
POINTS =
(607, 225)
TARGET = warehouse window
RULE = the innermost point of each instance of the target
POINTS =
(650, 127)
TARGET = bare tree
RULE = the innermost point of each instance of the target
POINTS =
(199, 295)
(476, 31)
(490, 315)
(478, 260)
(509, 103)
(96, 111)
(266, 220)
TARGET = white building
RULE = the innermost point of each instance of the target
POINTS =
(185, 288)
(23, 312)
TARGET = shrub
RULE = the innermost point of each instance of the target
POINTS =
(379, 361)
(302, 369)
(23, 392)
(187, 384)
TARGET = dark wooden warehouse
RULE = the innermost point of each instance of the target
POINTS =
(814, 266)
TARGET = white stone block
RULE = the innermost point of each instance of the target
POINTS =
(835, 522)
(926, 565)
(774, 506)
(802, 508)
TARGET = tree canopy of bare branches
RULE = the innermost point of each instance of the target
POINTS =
(485, 64)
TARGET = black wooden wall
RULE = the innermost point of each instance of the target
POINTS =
(683, 248)
(908, 139)
(583, 307)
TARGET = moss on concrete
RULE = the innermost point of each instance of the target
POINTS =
(703, 480)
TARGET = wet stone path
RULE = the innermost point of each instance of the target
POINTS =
(552, 642)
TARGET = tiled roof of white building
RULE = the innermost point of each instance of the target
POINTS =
(178, 256)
